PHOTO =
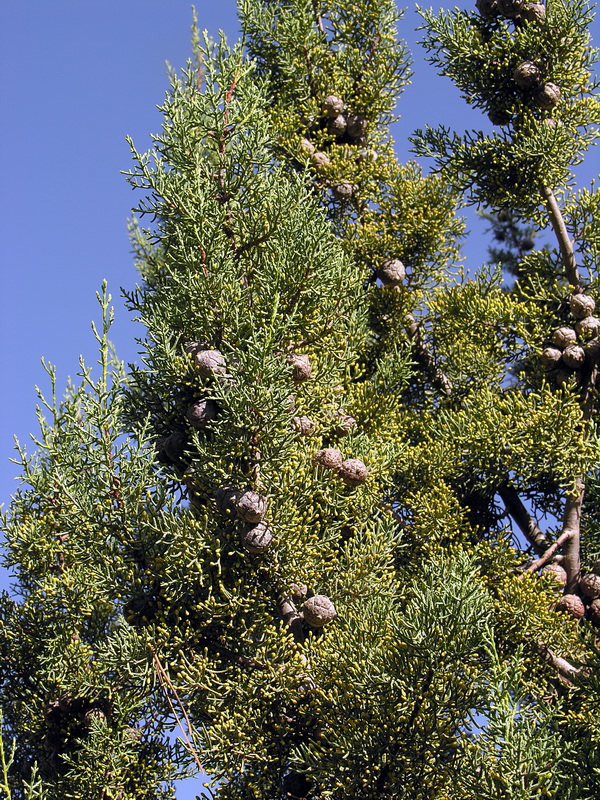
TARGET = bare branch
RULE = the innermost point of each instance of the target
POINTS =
(165, 682)
(572, 525)
(566, 669)
(543, 559)
(560, 229)
(526, 523)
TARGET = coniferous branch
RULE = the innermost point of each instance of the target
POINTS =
(306, 528)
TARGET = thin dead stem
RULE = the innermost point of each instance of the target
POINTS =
(166, 685)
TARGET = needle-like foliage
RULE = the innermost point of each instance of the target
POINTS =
(336, 535)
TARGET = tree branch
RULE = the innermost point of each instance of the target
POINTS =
(318, 18)
(543, 559)
(248, 245)
(512, 501)
(526, 523)
(165, 681)
(311, 81)
(566, 670)
(560, 229)
(426, 359)
(572, 526)
(292, 618)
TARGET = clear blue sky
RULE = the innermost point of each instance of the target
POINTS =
(76, 78)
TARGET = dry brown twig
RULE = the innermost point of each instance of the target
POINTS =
(166, 685)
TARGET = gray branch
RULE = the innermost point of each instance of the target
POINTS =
(564, 242)
(572, 526)
(567, 671)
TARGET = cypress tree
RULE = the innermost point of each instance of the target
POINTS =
(337, 530)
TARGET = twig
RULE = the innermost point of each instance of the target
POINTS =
(394, 749)
(560, 229)
(369, 58)
(224, 196)
(308, 340)
(589, 388)
(259, 240)
(296, 296)
(426, 359)
(543, 559)
(311, 81)
(291, 617)
(567, 670)
(318, 17)
(165, 682)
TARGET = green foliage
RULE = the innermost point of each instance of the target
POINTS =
(308, 50)
(516, 753)
(537, 145)
(74, 538)
(299, 536)
(583, 214)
